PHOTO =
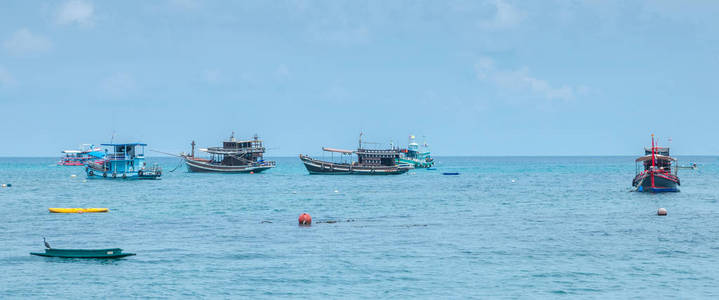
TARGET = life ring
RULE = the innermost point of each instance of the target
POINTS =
(158, 173)
(124, 176)
(91, 173)
(104, 175)
(139, 173)
(114, 175)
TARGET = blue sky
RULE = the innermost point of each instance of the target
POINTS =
(493, 77)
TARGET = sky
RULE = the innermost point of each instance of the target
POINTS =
(490, 78)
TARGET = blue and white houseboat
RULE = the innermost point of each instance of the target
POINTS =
(127, 161)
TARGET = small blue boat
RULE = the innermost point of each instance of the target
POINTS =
(127, 161)
(450, 173)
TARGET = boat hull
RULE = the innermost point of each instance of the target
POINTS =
(60, 210)
(83, 253)
(417, 163)
(329, 168)
(196, 166)
(93, 173)
(663, 182)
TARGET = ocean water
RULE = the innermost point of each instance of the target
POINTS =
(535, 227)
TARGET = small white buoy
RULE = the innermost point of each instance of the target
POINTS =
(336, 191)
(294, 192)
(662, 211)
(84, 180)
(73, 175)
(513, 180)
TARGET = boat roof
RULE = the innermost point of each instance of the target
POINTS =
(337, 150)
(71, 151)
(129, 144)
(649, 157)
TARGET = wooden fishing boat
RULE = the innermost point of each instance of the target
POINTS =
(83, 253)
(658, 173)
(127, 161)
(77, 210)
(235, 156)
(369, 162)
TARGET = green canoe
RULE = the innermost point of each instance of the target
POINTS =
(84, 253)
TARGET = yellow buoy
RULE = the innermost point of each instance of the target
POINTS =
(77, 210)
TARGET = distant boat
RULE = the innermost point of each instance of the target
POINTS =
(234, 156)
(416, 155)
(656, 174)
(82, 156)
(127, 161)
(83, 253)
(369, 162)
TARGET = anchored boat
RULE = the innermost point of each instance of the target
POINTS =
(369, 162)
(658, 173)
(233, 157)
(127, 161)
(83, 253)
(80, 157)
(416, 155)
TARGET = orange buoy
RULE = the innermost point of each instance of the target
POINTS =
(305, 219)
(662, 212)
(252, 172)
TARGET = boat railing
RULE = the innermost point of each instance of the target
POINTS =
(268, 163)
(154, 168)
(116, 156)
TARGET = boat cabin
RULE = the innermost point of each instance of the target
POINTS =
(237, 152)
(125, 158)
(662, 161)
(657, 150)
(386, 157)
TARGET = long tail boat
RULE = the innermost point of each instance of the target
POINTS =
(127, 161)
(658, 174)
(243, 156)
(369, 162)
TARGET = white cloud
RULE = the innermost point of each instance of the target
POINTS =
(521, 81)
(76, 11)
(119, 84)
(6, 78)
(505, 16)
(24, 42)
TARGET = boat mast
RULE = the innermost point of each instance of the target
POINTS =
(193, 149)
(653, 162)
(360, 141)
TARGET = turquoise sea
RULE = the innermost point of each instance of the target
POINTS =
(534, 227)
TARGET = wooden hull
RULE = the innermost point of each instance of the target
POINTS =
(329, 168)
(201, 166)
(662, 182)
